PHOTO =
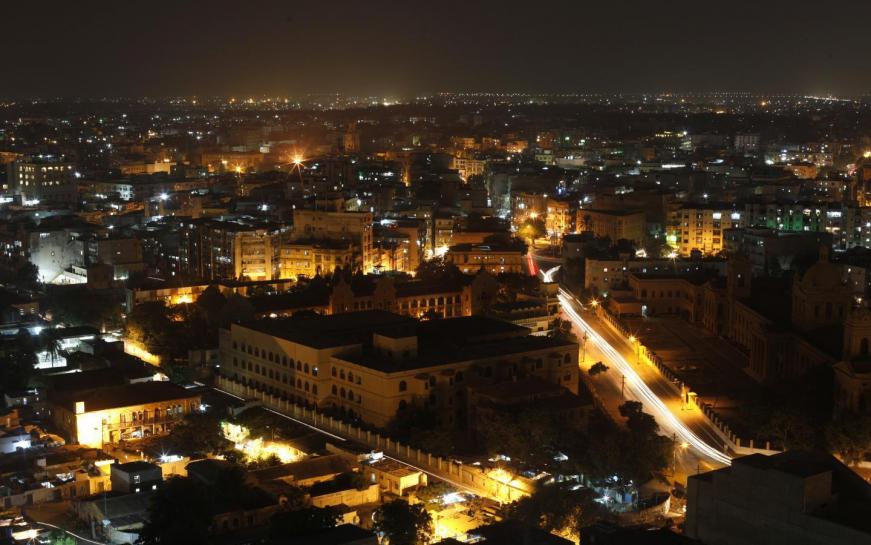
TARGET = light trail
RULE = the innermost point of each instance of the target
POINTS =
(636, 384)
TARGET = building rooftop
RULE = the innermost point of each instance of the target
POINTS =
(126, 395)
(328, 331)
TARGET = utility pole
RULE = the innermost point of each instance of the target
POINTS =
(622, 386)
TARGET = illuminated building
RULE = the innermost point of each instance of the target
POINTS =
(614, 224)
(43, 178)
(468, 166)
(372, 363)
(355, 227)
(98, 416)
(558, 218)
(418, 299)
(309, 258)
(495, 258)
(702, 228)
(232, 249)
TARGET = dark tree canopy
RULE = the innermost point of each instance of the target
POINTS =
(403, 524)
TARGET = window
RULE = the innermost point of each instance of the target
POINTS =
(334, 371)
(305, 368)
(315, 389)
(350, 376)
(402, 386)
(334, 389)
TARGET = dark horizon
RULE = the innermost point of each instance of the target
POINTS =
(388, 48)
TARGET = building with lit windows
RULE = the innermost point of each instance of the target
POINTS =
(232, 249)
(371, 364)
(701, 228)
(309, 258)
(354, 227)
(98, 416)
(43, 178)
(494, 258)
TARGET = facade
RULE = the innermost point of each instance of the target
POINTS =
(310, 258)
(224, 249)
(603, 275)
(616, 225)
(373, 363)
(795, 498)
(494, 258)
(701, 228)
(43, 179)
(355, 227)
(101, 416)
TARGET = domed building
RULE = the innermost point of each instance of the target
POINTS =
(821, 297)
(853, 373)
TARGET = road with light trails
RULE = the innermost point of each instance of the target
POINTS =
(668, 421)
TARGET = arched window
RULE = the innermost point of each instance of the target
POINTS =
(299, 384)
(334, 389)
(342, 393)
(315, 389)
(342, 374)
(306, 386)
(402, 386)
(350, 376)
(299, 366)
(334, 371)
(305, 368)
(567, 358)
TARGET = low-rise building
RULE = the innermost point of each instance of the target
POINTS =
(98, 416)
(494, 258)
(796, 497)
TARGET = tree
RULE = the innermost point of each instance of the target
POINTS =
(59, 537)
(598, 368)
(557, 508)
(76, 305)
(199, 432)
(403, 524)
(533, 228)
(434, 492)
(302, 522)
(19, 272)
(150, 325)
(850, 439)
(211, 301)
(531, 435)
(791, 429)
(180, 512)
(562, 330)
(237, 309)
(437, 269)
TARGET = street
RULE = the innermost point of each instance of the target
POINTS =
(699, 447)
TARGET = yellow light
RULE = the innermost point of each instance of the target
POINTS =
(594, 303)
(297, 159)
(632, 338)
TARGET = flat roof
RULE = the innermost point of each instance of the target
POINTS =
(110, 397)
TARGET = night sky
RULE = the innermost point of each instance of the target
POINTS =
(218, 47)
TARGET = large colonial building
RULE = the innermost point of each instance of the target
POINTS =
(372, 363)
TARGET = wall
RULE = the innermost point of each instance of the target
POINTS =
(503, 489)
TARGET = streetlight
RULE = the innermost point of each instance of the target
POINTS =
(636, 345)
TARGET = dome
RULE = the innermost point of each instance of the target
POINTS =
(822, 276)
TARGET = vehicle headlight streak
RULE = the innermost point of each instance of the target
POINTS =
(642, 392)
